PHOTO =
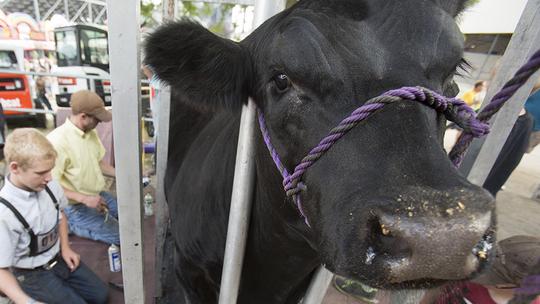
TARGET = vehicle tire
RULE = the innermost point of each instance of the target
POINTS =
(40, 121)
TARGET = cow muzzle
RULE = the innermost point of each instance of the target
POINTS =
(412, 247)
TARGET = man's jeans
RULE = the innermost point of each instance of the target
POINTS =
(90, 223)
(60, 285)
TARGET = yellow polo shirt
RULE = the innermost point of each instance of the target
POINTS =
(468, 97)
(77, 165)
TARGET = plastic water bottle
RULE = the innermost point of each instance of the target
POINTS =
(148, 201)
(145, 181)
(114, 258)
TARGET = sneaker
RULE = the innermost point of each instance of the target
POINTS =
(355, 289)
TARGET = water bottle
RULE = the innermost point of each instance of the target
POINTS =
(114, 258)
(148, 201)
(145, 181)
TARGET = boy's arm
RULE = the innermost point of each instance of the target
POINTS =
(71, 258)
(10, 286)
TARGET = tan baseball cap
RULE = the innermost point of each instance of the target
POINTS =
(89, 103)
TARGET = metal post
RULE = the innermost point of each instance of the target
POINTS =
(491, 47)
(124, 39)
(243, 182)
(240, 208)
(162, 214)
(90, 14)
(524, 42)
(36, 11)
(318, 287)
(66, 9)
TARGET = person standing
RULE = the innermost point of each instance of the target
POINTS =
(80, 167)
(472, 97)
(36, 260)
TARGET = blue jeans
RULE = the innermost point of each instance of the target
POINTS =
(90, 223)
(60, 285)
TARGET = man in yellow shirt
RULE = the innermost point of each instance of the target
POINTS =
(471, 97)
(80, 167)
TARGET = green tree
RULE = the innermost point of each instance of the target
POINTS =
(147, 8)
(471, 3)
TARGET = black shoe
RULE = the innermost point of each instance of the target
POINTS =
(356, 289)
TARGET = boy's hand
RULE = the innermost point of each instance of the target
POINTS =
(71, 258)
(94, 201)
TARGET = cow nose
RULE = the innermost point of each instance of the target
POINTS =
(428, 247)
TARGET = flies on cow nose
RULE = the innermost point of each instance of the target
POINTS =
(282, 82)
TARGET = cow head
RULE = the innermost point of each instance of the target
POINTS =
(385, 204)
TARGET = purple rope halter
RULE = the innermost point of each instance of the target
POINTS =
(454, 109)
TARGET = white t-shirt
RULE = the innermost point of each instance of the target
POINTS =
(37, 208)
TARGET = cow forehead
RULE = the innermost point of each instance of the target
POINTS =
(322, 38)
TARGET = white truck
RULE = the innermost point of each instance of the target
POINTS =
(81, 50)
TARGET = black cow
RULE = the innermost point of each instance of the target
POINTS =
(385, 204)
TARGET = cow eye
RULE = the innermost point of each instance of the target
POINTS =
(282, 82)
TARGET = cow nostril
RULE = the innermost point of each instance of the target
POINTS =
(386, 243)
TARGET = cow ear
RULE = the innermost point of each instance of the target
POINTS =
(209, 71)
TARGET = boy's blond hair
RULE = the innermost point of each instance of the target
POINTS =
(26, 145)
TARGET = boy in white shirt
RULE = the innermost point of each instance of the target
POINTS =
(36, 261)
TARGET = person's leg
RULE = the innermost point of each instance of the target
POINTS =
(84, 282)
(111, 202)
(92, 224)
(511, 153)
(44, 286)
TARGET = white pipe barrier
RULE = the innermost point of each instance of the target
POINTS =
(240, 208)
(243, 183)
(124, 40)
(6, 71)
(66, 75)
(318, 287)
(161, 208)
(39, 111)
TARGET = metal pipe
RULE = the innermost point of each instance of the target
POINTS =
(237, 230)
(124, 42)
(491, 47)
(66, 9)
(90, 14)
(318, 286)
(6, 71)
(36, 11)
(40, 111)
(243, 183)
(161, 209)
